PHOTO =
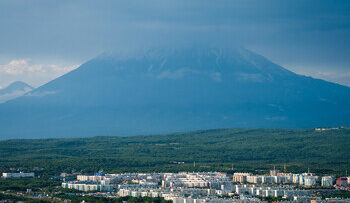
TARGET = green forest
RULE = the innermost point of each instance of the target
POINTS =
(229, 150)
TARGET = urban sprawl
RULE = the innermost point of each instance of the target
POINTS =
(197, 187)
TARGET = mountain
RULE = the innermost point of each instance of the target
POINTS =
(14, 90)
(169, 90)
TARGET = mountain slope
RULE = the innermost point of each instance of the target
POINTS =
(167, 90)
(14, 90)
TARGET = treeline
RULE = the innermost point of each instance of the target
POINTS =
(22, 184)
(255, 150)
(14, 198)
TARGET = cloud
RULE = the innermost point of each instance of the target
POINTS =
(337, 77)
(332, 74)
(175, 74)
(285, 31)
(18, 62)
(340, 77)
(40, 93)
(12, 95)
(14, 67)
(250, 77)
(35, 74)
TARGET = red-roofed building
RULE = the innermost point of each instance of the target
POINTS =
(342, 181)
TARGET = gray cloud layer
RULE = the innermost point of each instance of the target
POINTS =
(309, 37)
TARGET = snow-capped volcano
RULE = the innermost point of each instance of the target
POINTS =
(168, 90)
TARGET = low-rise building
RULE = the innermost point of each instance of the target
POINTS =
(342, 181)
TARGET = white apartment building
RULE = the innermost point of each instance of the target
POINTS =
(18, 175)
(327, 181)
(254, 179)
(310, 180)
(306, 179)
(201, 180)
(269, 191)
(87, 186)
(90, 178)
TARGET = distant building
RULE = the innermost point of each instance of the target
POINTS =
(240, 177)
(310, 181)
(307, 179)
(268, 179)
(96, 177)
(254, 179)
(327, 181)
(18, 175)
(342, 181)
(64, 174)
(274, 172)
(88, 186)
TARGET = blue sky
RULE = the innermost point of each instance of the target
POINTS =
(41, 40)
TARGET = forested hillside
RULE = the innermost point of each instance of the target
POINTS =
(257, 150)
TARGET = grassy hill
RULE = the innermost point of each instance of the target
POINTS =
(258, 150)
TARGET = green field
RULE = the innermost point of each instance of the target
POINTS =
(255, 150)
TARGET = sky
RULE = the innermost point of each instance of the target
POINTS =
(41, 40)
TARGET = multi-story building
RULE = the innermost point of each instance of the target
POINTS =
(327, 181)
(269, 191)
(254, 179)
(240, 177)
(87, 186)
(307, 179)
(310, 181)
(268, 179)
(96, 177)
(263, 179)
(18, 175)
(200, 180)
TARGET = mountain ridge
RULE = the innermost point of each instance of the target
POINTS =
(14, 90)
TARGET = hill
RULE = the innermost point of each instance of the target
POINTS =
(14, 90)
(325, 152)
(171, 90)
